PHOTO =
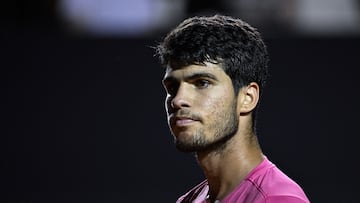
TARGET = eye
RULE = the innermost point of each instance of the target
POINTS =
(202, 83)
(171, 88)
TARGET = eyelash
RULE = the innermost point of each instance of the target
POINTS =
(202, 83)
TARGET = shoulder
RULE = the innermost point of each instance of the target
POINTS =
(276, 186)
(267, 184)
(286, 199)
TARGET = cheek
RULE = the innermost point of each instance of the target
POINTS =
(214, 106)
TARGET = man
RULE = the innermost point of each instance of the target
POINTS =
(216, 68)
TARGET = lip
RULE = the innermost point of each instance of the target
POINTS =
(181, 121)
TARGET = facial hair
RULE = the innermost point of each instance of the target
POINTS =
(223, 128)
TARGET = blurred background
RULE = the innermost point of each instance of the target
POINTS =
(82, 112)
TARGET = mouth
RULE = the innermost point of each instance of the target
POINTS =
(181, 121)
(184, 121)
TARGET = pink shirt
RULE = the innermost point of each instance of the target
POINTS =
(264, 184)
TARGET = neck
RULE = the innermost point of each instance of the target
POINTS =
(225, 168)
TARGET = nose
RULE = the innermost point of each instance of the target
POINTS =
(182, 98)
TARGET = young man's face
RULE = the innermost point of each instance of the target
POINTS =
(201, 106)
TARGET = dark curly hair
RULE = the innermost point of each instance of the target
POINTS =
(230, 42)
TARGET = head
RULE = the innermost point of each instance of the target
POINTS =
(227, 47)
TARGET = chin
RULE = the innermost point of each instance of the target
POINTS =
(186, 149)
(184, 146)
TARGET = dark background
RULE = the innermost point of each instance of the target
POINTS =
(83, 117)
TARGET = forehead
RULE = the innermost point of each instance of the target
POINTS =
(184, 71)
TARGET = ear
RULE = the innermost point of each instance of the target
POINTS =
(248, 98)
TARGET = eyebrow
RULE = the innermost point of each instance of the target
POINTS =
(191, 77)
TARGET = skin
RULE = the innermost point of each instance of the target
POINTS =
(206, 117)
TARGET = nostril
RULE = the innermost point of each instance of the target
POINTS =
(175, 103)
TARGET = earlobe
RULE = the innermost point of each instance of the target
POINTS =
(248, 98)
